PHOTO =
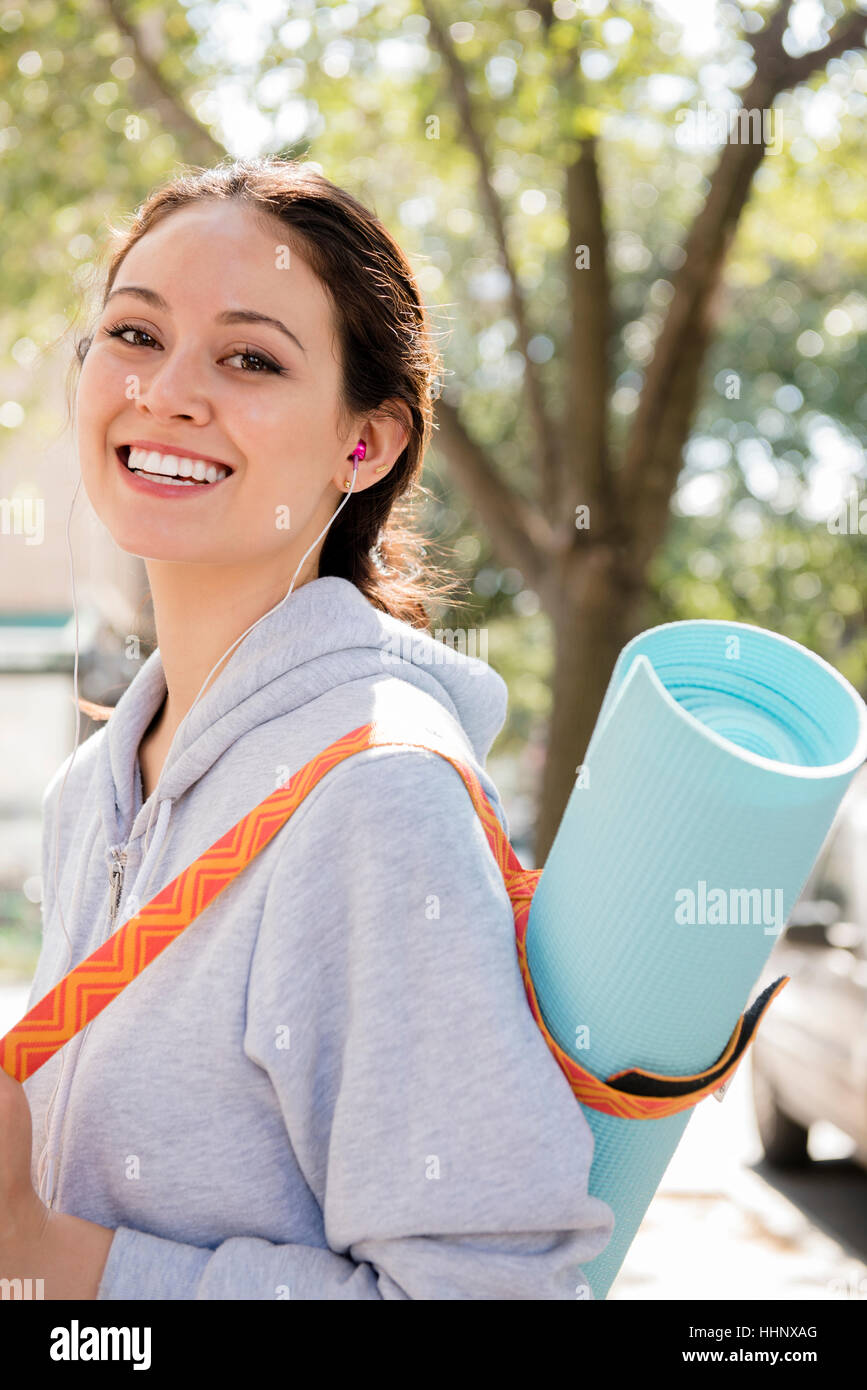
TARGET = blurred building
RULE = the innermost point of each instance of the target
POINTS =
(38, 477)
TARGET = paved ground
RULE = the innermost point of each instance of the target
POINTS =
(722, 1224)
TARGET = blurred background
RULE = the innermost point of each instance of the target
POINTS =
(653, 318)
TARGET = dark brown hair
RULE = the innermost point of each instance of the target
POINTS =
(387, 356)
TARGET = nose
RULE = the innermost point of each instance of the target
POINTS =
(170, 390)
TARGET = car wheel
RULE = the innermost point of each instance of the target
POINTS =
(783, 1139)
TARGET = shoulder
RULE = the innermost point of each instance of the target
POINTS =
(77, 769)
(420, 747)
(393, 786)
(390, 841)
(377, 827)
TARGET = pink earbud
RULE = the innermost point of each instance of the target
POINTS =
(358, 453)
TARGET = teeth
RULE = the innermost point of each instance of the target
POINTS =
(173, 468)
(163, 478)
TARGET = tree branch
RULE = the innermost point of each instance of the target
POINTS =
(522, 533)
(166, 98)
(545, 9)
(543, 430)
(588, 370)
(653, 453)
(585, 429)
(786, 71)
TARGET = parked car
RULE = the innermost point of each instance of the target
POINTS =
(809, 1056)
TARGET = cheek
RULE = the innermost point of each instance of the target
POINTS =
(268, 427)
(100, 391)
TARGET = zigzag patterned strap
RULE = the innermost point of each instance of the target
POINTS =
(92, 984)
(634, 1094)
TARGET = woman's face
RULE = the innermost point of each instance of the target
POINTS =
(192, 385)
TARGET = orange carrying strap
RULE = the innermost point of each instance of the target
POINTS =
(92, 984)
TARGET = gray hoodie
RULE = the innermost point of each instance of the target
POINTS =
(330, 1085)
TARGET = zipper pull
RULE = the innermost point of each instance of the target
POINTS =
(116, 881)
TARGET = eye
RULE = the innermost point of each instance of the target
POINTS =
(121, 328)
(265, 362)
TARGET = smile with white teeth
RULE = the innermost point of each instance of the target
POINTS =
(173, 469)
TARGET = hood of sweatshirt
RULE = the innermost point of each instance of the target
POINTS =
(320, 643)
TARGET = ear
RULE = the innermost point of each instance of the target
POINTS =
(386, 438)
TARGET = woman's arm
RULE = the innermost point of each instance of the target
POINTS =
(66, 1253)
(437, 1132)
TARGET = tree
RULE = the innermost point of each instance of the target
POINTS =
(534, 462)
(594, 580)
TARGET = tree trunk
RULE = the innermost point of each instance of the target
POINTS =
(594, 611)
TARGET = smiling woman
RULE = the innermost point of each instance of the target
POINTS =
(339, 348)
(253, 436)
(295, 1099)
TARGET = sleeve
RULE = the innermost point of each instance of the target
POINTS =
(48, 859)
(49, 817)
(443, 1144)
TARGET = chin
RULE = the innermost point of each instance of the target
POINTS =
(135, 540)
(152, 540)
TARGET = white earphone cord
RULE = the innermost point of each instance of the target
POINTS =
(41, 1166)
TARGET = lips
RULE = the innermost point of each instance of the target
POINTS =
(163, 487)
(124, 452)
(161, 447)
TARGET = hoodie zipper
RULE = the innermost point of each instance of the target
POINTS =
(116, 881)
(116, 873)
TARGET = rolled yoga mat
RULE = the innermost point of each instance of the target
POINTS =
(718, 761)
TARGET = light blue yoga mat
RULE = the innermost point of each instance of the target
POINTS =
(718, 761)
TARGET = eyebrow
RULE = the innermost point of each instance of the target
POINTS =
(227, 316)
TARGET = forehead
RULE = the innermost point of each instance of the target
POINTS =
(224, 255)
